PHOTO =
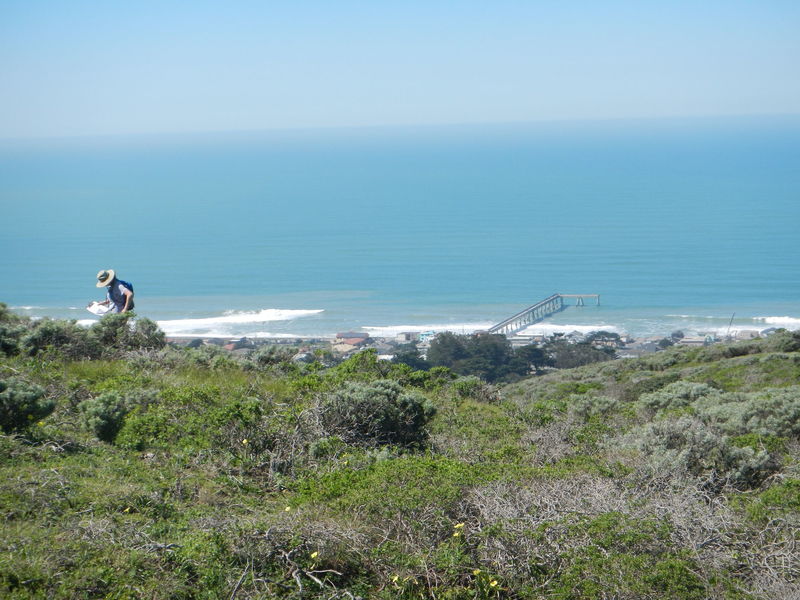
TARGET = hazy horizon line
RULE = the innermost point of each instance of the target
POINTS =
(396, 127)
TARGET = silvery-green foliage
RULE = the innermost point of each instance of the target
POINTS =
(770, 412)
(679, 394)
(688, 445)
(22, 404)
(585, 407)
(269, 355)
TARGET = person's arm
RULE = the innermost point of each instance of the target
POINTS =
(128, 298)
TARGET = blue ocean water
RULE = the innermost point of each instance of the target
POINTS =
(678, 224)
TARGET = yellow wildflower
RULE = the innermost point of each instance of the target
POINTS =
(457, 534)
(395, 578)
(493, 583)
(288, 508)
(314, 554)
(458, 526)
(476, 572)
(244, 441)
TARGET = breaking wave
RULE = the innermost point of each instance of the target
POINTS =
(786, 322)
(230, 322)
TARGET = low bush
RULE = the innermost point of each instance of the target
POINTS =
(12, 328)
(211, 356)
(22, 404)
(378, 413)
(117, 333)
(774, 412)
(267, 356)
(679, 394)
(66, 337)
(475, 388)
(687, 445)
(104, 415)
(585, 407)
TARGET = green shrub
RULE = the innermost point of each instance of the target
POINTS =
(117, 333)
(104, 415)
(11, 337)
(679, 394)
(67, 337)
(780, 500)
(212, 357)
(784, 341)
(688, 445)
(267, 356)
(378, 413)
(12, 328)
(474, 387)
(774, 412)
(22, 404)
(585, 407)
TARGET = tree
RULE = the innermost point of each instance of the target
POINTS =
(530, 357)
(446, 349)
(566, 356)
(408, 354)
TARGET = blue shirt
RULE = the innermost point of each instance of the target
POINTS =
(116, 293)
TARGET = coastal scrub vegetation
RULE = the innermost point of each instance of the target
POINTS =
(132, 468)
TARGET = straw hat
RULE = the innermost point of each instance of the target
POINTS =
(105, 277)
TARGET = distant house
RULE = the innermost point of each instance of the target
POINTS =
(352, 338)
(695, 340)
(238, 344)
(407, 336)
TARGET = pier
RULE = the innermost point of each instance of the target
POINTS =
(540, 311)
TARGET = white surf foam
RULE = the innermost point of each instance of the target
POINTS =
(230, 322)
(786, 322)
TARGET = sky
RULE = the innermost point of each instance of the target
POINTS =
(83, 68)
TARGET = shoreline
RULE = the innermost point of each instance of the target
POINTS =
(298, 325)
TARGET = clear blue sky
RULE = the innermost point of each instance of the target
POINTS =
(84, 68)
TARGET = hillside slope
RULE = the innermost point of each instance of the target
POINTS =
(150, 471)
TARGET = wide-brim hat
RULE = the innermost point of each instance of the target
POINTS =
(105, 277)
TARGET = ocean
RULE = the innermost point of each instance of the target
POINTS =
(679, 224)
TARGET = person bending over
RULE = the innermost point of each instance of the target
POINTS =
(119, 294)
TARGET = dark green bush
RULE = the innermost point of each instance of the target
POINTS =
(10, 338)
(22, 404)
(375, 414)
(116, 333)
(67, 337)
(12, 329)
(104, 415)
